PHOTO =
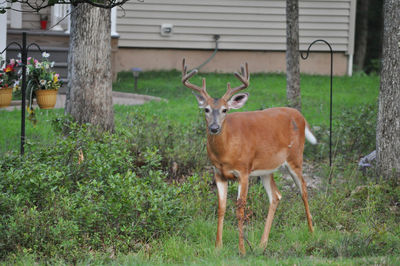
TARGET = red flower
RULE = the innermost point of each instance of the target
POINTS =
(8, 68)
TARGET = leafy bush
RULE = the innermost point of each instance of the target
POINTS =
(356, 130)
(354, 134)
(87, 192)
(182, 148)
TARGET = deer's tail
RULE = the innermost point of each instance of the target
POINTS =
(309, 135)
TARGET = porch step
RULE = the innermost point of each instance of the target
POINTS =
(56, 43)
(40, 37)
(57, 54)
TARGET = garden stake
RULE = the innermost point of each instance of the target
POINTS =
(330, 103)
(24, 55)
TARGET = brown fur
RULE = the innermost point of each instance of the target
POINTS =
(272, 131)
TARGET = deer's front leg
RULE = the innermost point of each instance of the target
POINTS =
(222, 186)
(241, 205)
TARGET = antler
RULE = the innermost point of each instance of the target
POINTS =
(244, 77)
(185, 80)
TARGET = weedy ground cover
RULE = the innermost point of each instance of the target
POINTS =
(145, 194)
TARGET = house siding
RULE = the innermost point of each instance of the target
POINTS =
(241, 24)
(31, 19)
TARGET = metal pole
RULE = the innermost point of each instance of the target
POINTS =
(24, 62)
(331, 94)
(24, 55)
(330, 117)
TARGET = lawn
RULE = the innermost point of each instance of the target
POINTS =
(124, 203)
(266, 90)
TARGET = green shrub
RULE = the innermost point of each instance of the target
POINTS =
(354, 134)
(182, 147)
(87, 192)
(356, 130)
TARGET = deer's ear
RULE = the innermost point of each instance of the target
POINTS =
(200, 100)
(238, 100)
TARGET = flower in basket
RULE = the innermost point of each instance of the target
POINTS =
(40, 75)
(8, 74)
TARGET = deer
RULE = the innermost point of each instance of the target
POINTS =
(248, 144)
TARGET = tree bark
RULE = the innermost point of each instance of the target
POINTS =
(292, 54)
(89, 96)
(388, 124)
(361, 34)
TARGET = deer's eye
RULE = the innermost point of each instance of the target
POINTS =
(207, 110)
(224, 110)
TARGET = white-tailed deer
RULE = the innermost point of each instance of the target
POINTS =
(246, 144)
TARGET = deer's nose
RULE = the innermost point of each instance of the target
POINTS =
(214, 128)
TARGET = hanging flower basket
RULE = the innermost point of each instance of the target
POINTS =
(42, 83)
(5, 97)
(8, 80)
(46, 99)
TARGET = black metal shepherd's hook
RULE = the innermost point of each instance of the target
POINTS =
(330, 109)
(24, 55)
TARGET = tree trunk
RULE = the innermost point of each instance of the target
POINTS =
(361, 34)
(292, 54)
(89, 97)
(388, 124)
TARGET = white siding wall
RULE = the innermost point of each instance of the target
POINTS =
(31, 19)
(242, 24)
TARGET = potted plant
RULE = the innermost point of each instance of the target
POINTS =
(8, 81)
(43, 21)
(42, 82)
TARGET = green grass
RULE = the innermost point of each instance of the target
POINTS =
(41, 132)
(266, 90)
(196, 247)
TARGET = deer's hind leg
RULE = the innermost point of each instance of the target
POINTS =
(295, 171)
(274, 197)
(240, 208)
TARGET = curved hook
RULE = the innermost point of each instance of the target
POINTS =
(309, 47)
(20, 47)
(34, 44)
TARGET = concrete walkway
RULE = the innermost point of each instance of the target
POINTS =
(118, 98)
